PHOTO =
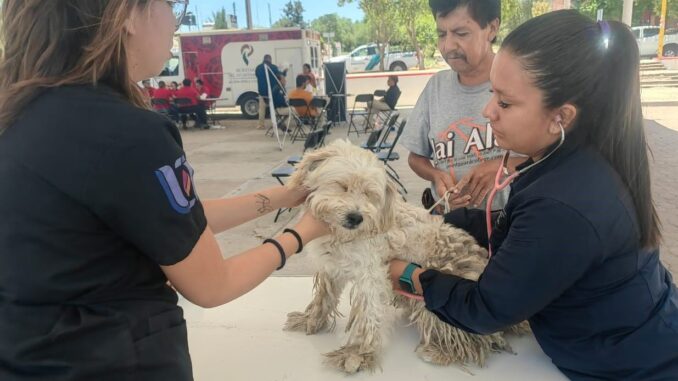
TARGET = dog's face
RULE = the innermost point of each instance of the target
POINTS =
(350, 189)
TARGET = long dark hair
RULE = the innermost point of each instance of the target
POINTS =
(595, 67)
(54, 43)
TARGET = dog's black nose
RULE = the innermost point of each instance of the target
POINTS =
(353, 220)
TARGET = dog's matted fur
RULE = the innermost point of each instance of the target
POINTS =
(371, 224)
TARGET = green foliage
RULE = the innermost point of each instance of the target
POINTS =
(293, 15)
(219, 19)
(350, 34)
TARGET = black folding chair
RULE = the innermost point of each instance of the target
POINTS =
(387, 156)
(300, 120)
(319, 104)
(183, 116)
(363, 111)
(378, 139)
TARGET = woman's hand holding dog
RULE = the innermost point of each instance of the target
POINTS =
(396, 269)
(310, 228)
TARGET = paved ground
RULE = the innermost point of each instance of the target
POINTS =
(238, 159)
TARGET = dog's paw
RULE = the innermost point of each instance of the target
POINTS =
(303, 322)
(351, 360)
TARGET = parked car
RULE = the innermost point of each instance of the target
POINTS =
(366, 58)
(648, 41)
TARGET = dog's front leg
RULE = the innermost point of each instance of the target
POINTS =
(322, 311)
(369, 302)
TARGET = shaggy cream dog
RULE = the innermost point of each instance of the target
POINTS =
(371, 224)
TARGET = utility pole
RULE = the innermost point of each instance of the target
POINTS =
(662, 30)
(248, 11)
(270, 19)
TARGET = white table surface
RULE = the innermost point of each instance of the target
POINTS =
(244, 340)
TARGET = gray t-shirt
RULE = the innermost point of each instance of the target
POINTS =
(447, 126)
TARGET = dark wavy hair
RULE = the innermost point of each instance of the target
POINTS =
(595, 67)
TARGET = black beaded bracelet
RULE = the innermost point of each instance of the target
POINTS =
(298, 237)
(283, 257)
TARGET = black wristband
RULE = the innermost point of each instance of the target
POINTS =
(298, 237)
(283, 257)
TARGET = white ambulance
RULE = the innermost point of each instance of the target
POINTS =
(225, 60)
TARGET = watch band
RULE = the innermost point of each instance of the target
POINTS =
(405, 279)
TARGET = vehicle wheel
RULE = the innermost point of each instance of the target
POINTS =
(250, 107)
(398, 66)
(671, 50)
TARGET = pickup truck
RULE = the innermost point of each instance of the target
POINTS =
(366, 58)
(648, 41)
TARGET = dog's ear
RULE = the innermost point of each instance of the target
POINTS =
(308, 164)
(390, 199)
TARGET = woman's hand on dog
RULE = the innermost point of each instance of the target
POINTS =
(311, 228)
(396, 269)
(294, 196)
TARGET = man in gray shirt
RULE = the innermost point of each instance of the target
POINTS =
(447, 125)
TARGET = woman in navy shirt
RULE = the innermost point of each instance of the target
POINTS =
(575, 250)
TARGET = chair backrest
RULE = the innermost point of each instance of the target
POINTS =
(159, 102)
(362, 98)
(316, 139)
(401, 128)
(379, 93)
(319, 103)
(298, 102)
(388, 127)
(181, 102)
(378, 137)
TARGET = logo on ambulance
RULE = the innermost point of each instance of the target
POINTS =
(246, 51)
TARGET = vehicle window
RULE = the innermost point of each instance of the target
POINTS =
(360, 53)
(171, 68)
(372, 50)
(650, 32)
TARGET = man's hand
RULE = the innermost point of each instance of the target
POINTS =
(478, 183)
(444, 182)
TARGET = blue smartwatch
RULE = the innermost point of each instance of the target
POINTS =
(405, 279)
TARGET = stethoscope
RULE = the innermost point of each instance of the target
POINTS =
(500, 185)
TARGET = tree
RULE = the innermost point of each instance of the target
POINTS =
(219, 19)
(293, 15)
(539, 7)
(409, 14)
(350, 34)
(379, 15)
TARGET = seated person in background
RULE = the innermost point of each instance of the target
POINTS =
(390, 100)
(204, 92)
(163, 93)
(300, 92)
(147, 89)
(174, 86)
(312, 82)
(279, 93)
(194, 106)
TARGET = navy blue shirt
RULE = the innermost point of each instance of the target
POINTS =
(567, 258)
(260, 72)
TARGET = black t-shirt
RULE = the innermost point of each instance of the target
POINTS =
(95, 194)
(392, 96)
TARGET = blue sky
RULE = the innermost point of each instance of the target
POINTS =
(313, 9)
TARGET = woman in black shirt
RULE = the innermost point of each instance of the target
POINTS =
(97, 204)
